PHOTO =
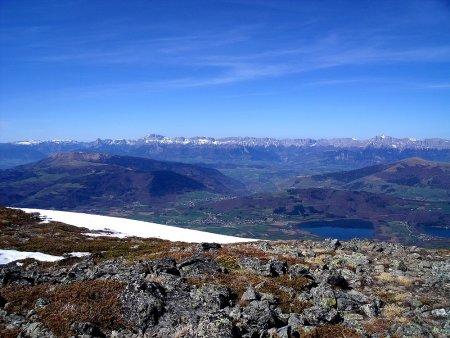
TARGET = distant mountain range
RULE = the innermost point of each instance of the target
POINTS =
(78, 180)
(375, 142)
(263, 164)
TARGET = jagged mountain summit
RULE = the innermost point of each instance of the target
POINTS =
(305, 156)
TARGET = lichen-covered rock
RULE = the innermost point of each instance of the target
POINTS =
(143, 304)
(217, 325)
(209, 246)
(258, 317)
(318, 315)
(85, 328)
(277, 268)
(36, 330)
(168, 266)
(255, 265)
(413, 330)
(250, 294)
(212, 296)
(198, 265)
(354, 260)
(282, 332)
(298, 270)
(323, 296)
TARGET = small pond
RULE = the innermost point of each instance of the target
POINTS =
(343, 229)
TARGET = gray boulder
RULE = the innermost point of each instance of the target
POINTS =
(143, 303)
(87, 328)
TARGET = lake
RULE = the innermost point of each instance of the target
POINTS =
(434, 230)
(343, 229)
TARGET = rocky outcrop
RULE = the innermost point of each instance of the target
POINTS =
(278, 289)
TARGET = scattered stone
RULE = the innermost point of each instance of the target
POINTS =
(334, 244)
(217, 325)
(282, 332)
(213, 296)
(198, 265)
(298, 270)
(87, 329)
(209, 246)
(250, 295)
(441, 313)
(324, 296)
(318, 315)
(41, 303)
(401, 291)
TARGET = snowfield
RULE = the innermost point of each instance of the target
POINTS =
(7, 256)
(123, 227)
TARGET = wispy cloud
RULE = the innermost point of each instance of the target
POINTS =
(237, 54)
(437, 85)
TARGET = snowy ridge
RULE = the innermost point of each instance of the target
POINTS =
(123, 227)
(381, 141)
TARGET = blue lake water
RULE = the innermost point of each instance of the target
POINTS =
(434, 231)
(343, 229)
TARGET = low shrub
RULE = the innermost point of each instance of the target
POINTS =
(96, 301)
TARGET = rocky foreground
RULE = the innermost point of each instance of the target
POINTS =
(153, 288)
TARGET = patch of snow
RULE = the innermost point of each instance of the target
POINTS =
(27, 143)
(79, 254)
(127, 227)
(7, 256)
(44, 220)
(104, 233)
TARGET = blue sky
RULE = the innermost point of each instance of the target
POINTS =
(82, 69)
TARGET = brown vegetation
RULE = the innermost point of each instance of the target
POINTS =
(91, 301)
(335, 331)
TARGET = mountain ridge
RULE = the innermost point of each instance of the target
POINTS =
(412, 177)
(380, 141)
(75, 179)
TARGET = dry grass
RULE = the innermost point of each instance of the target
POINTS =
(332, 331)
(237, 281)
(393, 297)
(231, 263)
(426, 300)
(393, 311)
(238, 252)
(443, 252)
(231, 256)
(92, 301)
(23, 298)
(8, 333)
(405, 281)
(401, 281)
(386, 277)
(184, 332)
(377, 326)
